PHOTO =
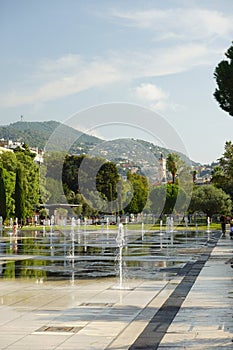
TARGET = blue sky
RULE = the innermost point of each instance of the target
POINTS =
(60, 57)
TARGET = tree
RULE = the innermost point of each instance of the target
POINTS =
(93, 177)
(226, 161)
(30, 172)
(164, 198)
(8, 162)
(210, 200)
(140, 193)
(43, 213)
(222, 175)
(19, 195)
(172, 164)
(176, 199)
(218, 178)
(158, 198)
(107, 175)
(224, 79)
(3, 209)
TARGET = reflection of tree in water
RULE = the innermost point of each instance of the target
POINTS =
(25, 268)
(96, 256)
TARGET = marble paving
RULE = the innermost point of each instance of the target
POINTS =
(94, 314)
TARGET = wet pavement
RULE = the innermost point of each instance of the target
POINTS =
(191, 310)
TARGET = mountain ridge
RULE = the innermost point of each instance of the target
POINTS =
(37, 134)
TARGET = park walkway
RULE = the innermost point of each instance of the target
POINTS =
(191, 311)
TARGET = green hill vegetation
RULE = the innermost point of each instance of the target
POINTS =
(37, 134)
(56, 136)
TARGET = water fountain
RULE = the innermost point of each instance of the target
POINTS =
(51, 244)
(142, 230)
(186, 221)
(196, 223)
(170, 228)
(73, 223)
(79, 224)
(44, 223)
(208, 227)
(172, 224)
(85, 224)
(208, 224)
(120, 240)
(1, 224)
(168, 224)
(72, 252)
(161, 227)
(92, 253)
(11, 223)
(52, 223)
(126, 224)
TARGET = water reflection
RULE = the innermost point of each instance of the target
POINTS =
(76, 254)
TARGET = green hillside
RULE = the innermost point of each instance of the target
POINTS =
(63, 137)
(36, 134)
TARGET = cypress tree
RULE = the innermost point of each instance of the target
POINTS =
(3, 211)
(19, 195)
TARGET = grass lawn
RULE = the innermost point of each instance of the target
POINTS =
(213, 226)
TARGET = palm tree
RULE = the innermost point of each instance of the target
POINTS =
(172, 160)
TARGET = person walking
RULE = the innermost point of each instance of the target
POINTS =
(223, 221)
(231, 229)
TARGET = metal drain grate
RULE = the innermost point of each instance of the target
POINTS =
(97, 304)
(59, 329)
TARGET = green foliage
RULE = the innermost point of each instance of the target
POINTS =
(172, 165)
(10, 163)
(9, 178)
(210, 200)
(62, 212)
(55, 188)
(31, 178)
(226, 161)
(165, 197)
(158, 198)
(25, 151)
(92, 177)
(140, 193)
(224, 79)
(171, 197)
(37, 134)
(54, 162)
(222, 175)
(3, 210)
(43, 213)
(20, 195)
(107, 175)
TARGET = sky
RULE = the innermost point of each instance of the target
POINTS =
(62, 58)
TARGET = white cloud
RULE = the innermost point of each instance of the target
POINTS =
(172, 60)
(150, 92)
(186, 29)
(183, 23)
(71, 74)
(63, 79)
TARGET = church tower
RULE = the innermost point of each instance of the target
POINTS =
(162, 170)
